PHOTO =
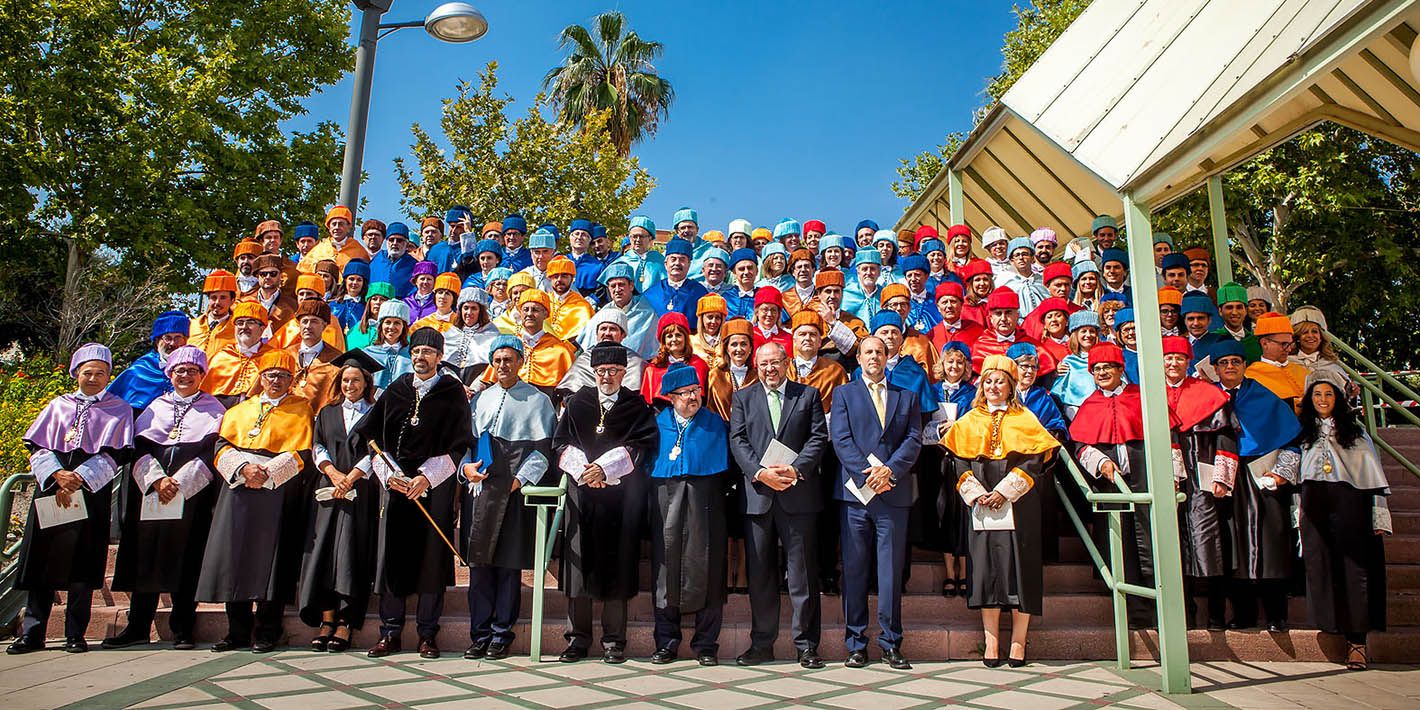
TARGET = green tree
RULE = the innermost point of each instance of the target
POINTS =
(150, 132)
(545, 170)
(612, 70)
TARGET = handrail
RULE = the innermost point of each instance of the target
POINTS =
(1380, 372)
(542, 498)
(7, 508)
(1372, 390)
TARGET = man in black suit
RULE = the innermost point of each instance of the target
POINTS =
(781, 502)
(877, 434)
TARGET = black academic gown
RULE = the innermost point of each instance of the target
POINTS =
(411, 557)
(601, 549)
(1204, 531)
(62, 555)
(1005, 568)
(497, 529)
(165, 555)
(338, 564)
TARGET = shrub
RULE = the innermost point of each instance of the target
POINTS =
(25, 388)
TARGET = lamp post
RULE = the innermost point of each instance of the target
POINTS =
(454, 22)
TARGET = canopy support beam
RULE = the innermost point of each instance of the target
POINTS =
(955, 200)
(1218, 213)
(1163, 510)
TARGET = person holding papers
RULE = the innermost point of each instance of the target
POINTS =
(606, 441)
(1000, 444)
(513, 422)
(421, 426)
(1107, 433)
(338, 567)
(253, 554)
(169, 506)
(76, 446)
(877, 435)
(688, 537)
(778, 434)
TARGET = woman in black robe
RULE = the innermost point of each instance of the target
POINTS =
(1344, 515)
(1000, 444)
(337, 569)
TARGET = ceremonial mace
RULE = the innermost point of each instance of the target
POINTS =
(377, 451)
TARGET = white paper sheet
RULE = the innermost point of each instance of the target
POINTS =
(863, 494)
(328, 493)
(1260, 466)
(946, 414)
(50, 514)
(777, 454)
(155, 509)
(984, 518)
(1204, 478)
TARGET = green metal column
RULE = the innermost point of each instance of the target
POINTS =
(1218, 215)
(954, 197)
(1163, 510)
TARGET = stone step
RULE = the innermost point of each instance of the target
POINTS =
(922, 642)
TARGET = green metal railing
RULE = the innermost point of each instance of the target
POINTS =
(1373, 387)
(11, 599)
(545, 499)
(1113, 505)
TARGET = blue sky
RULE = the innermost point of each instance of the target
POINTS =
(798, 109)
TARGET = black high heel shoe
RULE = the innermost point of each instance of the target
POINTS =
(337, 644)
(992, 662)
(322, 640)
(962, 589)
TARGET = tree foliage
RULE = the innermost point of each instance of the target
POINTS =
(151, 131)
(547, 171)
(610, 68)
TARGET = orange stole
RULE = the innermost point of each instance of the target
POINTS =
(568, 317)
(287, 427)
(319, 382)
(229, 372)
(919, 347)
(792, 303)
(289, 335)
(212, 341)
(325, 249)
(1287, 382)
(970, 437)
(545, 364)
(721, 388)
(825, 376)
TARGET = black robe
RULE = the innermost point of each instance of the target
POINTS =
(1005, 568)
(1203, 521)
(62, 555)
(497, 529)
(412, 558)
(601, 548)
(338, 564)
(1345, 558)
(165, 555)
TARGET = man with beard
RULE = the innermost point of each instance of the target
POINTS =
(269, 293)
(568, 311)
(244, 258)
(340, 246)
(423, 424)
(232, 373)
(607, 326)
(641, 318)
(547, 358)
(143, 381)
(174, 440)
(606, 442)
(514, 422)
(395, 265)
(216, 328)
(677, 291)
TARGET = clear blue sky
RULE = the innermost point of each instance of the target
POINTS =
(798, 109)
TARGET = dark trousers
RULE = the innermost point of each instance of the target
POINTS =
(143, 608)
(828, 532)
(246, 626)
(875, 529)
(1217, 595)
(706, 638)
(579, 617)
(1246, 593)
(764, 533)
(39, 602)
(426, 614)
(495, 599)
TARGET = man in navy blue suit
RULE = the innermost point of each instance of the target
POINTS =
(877, 434)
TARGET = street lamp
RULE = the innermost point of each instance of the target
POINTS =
(454, 22)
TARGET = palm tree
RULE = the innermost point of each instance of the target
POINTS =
(611, 71)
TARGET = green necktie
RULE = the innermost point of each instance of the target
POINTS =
(776, 407)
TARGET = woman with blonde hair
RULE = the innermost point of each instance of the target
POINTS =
(1313, 347)
(1001, 449)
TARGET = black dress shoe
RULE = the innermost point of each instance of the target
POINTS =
(573, 654)
(895, 660)
(76, 645)
(225, 645)
(1217, 625)
(1277, 627)
(1236, 625)
(262, 647)
(829, 587)
(707, 659)
(479, 649)
(662, 656)
(857, 659)
(128, 637)
(428, 649)
(384, 647)
(497, 651)
(754, 657)
(809, 658)
(183, 643)
(614, 655)
(24, 645)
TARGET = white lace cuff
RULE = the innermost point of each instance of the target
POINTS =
(97, 471)
(970, 489)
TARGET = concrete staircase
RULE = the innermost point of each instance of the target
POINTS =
(1076, 625)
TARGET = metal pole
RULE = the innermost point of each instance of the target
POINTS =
(1168, 570)
(1218, 214)
(1122, 654)
(954, 197)
(360, 106)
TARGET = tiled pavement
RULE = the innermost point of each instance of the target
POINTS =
(153, 678)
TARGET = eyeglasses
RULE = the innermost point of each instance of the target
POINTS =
(608, 372)
(187, 371)
(268, 274)
(276, 375)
